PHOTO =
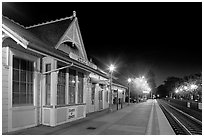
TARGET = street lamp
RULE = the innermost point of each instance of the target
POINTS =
(129, 81)
(111, 69)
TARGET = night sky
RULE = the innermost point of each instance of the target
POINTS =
(136, 37)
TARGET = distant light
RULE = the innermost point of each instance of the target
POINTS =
(145, 91)
(193, 86)
(111, 68)
(73, 81)
(158, 95)
(176, 91)
(129, 80)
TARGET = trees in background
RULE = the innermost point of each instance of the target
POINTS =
(188, 87)
(167, 89)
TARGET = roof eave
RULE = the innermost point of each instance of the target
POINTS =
(67, 60)
(20, 40)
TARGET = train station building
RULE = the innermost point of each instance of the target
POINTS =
(46, 76)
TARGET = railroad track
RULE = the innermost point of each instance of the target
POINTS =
(181, 122)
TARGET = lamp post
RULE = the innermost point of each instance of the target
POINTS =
(111, 69)
(129, 81)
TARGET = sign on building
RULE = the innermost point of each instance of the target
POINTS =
(71, 113)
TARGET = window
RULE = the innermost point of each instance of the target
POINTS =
(93, 93)
(61, 85)
(80, 87)
(47, 84)
(22, 82)
(72, 86)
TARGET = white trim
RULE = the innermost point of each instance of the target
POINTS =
(67, 87)
(10, 93)
(76, 91)
(80, 37)
(11, 108)
(7, 56)
(49, 22)
(24, 43)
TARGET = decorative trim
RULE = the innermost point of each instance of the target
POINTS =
(14, 22)
(76, 29)
(49, 22)
(64, 35)
(67, 105)
(80, 37)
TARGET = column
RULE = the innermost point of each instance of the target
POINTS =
(53, 98)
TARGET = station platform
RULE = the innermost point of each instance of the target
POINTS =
(145, 118)
(164, 128)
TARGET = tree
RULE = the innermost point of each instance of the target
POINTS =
(161, 90)
(151, 81)
(170, 84)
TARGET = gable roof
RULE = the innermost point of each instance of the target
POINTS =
(34, 43)
(54, 33)
(73, 34)
(51, 32)
(21, 31)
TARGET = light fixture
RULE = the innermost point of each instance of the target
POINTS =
(111, 68)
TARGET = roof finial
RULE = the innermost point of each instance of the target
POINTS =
(74, 13)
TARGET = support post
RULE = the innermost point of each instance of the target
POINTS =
(117, 100)
(110, 102)
(129, 94)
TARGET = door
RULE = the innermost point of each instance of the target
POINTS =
(100, 99)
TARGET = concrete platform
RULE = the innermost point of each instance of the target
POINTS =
(158, 118)
(144, 118)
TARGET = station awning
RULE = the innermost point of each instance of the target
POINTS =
(95, 80)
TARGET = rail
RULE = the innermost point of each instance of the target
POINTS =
(181, 122)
